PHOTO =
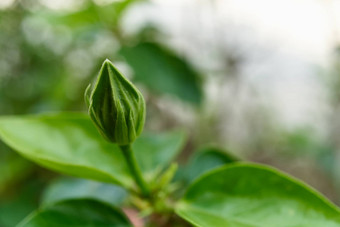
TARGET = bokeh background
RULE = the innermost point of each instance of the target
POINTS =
(260, 79)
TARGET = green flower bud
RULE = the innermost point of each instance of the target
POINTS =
(115, 106)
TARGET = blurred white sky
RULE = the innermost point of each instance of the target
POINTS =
(285, 43)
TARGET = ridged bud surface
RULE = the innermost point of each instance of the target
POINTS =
(115, 106)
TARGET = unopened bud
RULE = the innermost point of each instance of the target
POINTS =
(115, 106)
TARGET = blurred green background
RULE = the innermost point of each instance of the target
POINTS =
(238, 75)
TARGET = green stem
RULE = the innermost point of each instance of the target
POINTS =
(134, 169)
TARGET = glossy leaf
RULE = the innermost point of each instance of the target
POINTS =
(75, 188)
(67, 143)
(163, 71)
(254, 195)
(70, 144)
(83, 212)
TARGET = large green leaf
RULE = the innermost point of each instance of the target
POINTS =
(70, 144)
(254, 195)
(83, 212)
(65, 188)
(67, 143)
(163, 71)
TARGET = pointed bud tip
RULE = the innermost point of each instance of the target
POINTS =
(108, 64)
(107, 61)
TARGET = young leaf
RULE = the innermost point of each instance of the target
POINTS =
(65, 188)
(70, 144)
(254, 195)
(83, 212)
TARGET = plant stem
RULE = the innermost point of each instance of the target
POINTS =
(134, 169)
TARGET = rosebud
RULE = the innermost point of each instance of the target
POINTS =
(116, 106)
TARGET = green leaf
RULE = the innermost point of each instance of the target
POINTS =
(85, 212)
(91, 15)
(13, 168)
(71, 188)
(155, 152)
(163, 72)
(69, 143)
(254, 195)
(206, 159)
(19, 202)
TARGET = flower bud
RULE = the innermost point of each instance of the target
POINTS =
(116, 106)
